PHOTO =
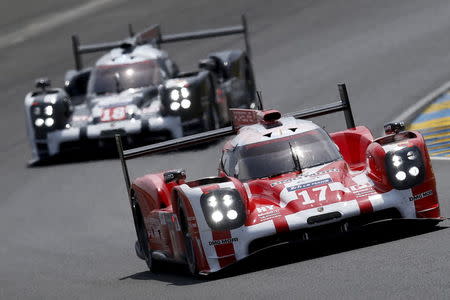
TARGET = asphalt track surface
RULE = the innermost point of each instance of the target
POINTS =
(66, 230)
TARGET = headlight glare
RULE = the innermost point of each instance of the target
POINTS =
(49, 122)
(184, 92)
(185, 103)
(175, 95)
(411, 155)
(232, 214)
(174, 106)
(48, 110)
(414, 171)
(217, 216)
(39, 122)
(396, 160)
(227, 200)
(212, 201)
(400, 175)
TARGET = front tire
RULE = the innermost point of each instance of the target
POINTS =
(143, 242)
(188, 241)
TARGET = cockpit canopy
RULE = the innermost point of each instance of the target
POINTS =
(278, 156)
(115, 78)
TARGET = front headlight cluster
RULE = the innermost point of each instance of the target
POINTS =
(223, 209)
(179, 98)
(43, 115)
(405, 167)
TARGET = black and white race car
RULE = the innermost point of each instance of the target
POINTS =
(136, 90)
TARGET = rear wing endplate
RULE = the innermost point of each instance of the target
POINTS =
(152, 35)
(204, 137)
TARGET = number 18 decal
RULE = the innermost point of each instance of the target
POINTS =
(113, 114)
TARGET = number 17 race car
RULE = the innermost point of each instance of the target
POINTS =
(137, 91)
(281, 179)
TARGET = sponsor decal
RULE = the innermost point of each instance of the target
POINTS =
(308, 184)
(304, 176)
(362, 190)
(268, 212)
(224, 241)
(421, 195)
(80, 118)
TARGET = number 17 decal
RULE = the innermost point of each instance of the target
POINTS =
(307, 199)
(306, 195)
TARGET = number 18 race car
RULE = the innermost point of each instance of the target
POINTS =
(281, 179)
(136, 90)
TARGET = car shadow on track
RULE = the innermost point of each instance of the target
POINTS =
(292, 253)
(103, 154)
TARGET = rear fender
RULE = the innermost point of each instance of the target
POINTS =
(424, 194)
(152, 192)
(235, 73)
(352, 144)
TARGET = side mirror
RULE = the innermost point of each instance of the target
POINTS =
(174, 175)
(42, 83)
(76, 83)
(208, 64)
(150, 92)
(394, 128)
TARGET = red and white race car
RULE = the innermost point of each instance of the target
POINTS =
(280, 179)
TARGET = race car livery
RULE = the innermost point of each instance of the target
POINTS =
(137, 91)
(281, 179)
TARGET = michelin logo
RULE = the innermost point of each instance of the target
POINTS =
(308, 184)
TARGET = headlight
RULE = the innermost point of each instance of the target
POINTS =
(48, 110)
(39, 122)
(223, 209)
(184, 92)
(49, 122)
(185, 103)
(174, 106)
(179, 99)
(405, 168)
(175, 95)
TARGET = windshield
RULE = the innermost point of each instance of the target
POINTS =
(279, 156)
(116, 78)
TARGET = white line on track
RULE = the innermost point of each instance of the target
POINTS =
(439, 158)
(408, 115)
(48, 22)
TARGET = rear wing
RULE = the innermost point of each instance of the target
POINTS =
(152, 35)
(200, 138)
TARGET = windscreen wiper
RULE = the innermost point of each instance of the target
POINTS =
(298, 167)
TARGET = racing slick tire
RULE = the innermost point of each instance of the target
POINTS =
(190, 252)
(145, 252)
